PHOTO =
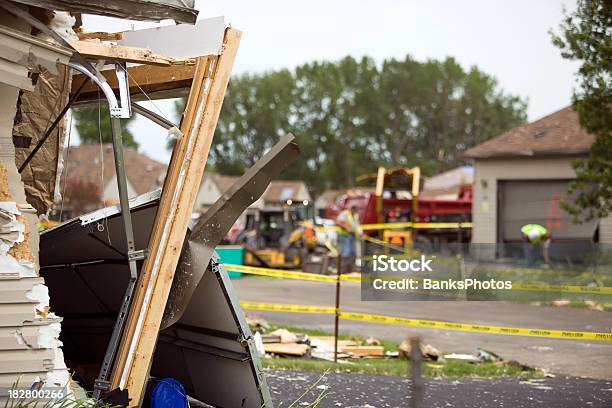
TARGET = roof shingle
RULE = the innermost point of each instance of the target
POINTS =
(83, 163)
(556, 134)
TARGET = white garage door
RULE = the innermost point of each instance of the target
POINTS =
(538, 202)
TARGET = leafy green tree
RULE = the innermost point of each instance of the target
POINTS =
(89, 118)
(351, 116)
(586, 36)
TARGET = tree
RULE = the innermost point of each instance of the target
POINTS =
(350, 116)
(586, 36)
(89, 118)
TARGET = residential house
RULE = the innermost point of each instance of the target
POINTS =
(521, 177)
(278, 193)
(92, 168)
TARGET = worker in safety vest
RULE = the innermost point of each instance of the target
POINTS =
(349, 230)
(535, 235)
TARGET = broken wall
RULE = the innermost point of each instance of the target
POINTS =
(36, 111)
(29, 333)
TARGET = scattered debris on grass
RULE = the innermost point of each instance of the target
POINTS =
(295, 348)
(428, 352)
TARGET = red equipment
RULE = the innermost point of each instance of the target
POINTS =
(393, 209)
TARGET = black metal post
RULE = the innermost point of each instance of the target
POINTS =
(101, 383)
(415, 373)
(337, 314)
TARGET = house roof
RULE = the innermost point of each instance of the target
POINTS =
(283, 190)
(222, 181)
(556, 134)
(83, 163)
(328, 197)
(277, 191)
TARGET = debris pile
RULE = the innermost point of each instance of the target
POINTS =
(284, 343)
(428, 352)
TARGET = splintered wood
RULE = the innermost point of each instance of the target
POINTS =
(178, 195)
(112, 52)
(157, 82)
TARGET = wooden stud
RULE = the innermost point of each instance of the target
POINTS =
(290, 349)
(113, 52)
(170, 226)
(100, 35)
(156, 81)
(376, 351)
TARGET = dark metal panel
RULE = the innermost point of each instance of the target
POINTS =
(181, 11)
(218, 219)
(205, 342)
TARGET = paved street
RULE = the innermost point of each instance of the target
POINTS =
(591, 359)
(370, 391)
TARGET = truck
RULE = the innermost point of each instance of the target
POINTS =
(396, 200)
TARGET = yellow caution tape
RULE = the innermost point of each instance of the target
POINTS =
(400, 225)
(383, 243)
(431, 324)
(280, 273)
(279, 307)
(354, 278)
(477, 328)
(418, 225)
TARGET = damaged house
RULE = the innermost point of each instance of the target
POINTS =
(109, 300)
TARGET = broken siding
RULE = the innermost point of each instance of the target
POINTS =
(29, 345)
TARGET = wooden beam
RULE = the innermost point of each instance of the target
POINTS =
(376, 351)
(170, 226)
(113, 52)
(153, 80)
(100, 35)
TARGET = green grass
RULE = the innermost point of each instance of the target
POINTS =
(401, 367)
(391, 366)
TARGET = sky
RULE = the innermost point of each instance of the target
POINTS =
(509, 40)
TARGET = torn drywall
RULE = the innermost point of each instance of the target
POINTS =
(36, 110)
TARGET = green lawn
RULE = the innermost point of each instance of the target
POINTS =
(393, 366)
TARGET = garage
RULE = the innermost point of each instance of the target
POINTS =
(538, 202)
(521, 177)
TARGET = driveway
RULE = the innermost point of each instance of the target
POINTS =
(371, 391)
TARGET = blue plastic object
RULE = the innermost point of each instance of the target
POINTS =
(168, 393)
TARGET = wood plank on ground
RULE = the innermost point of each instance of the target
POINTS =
(290, 349)
(377, 351)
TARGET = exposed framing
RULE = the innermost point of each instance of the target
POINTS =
(178, 196)
(158, 82)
